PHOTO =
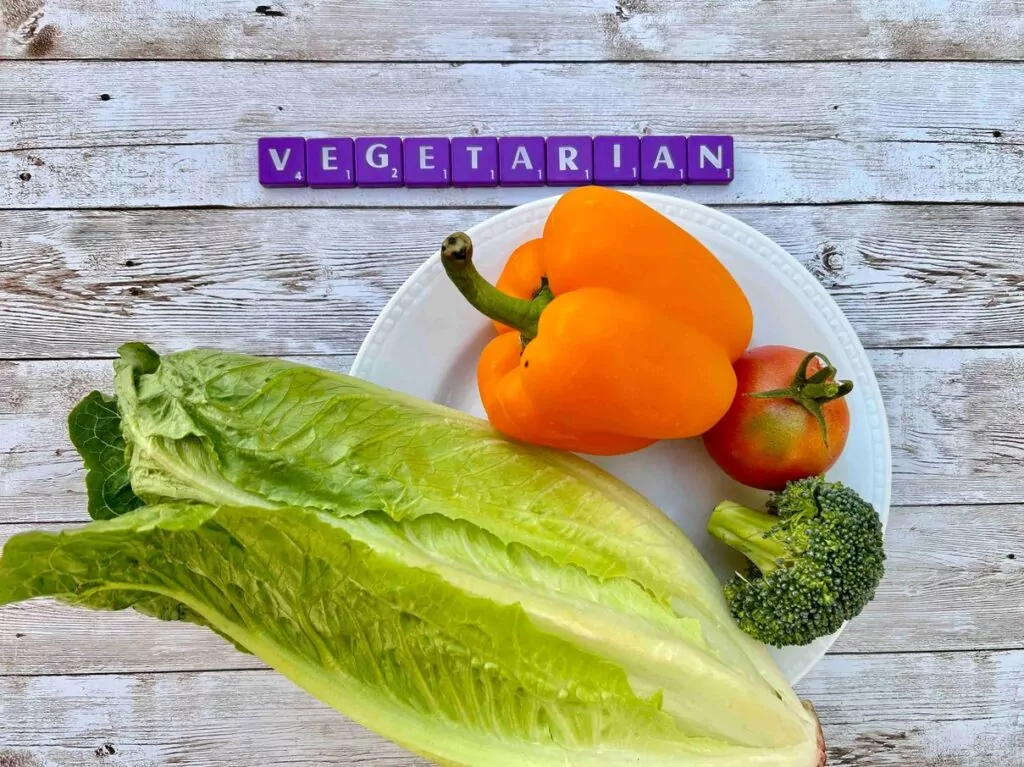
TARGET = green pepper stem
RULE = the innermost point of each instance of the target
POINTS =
(518, 313)
(746, 531)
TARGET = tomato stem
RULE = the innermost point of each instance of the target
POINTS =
(814, 391)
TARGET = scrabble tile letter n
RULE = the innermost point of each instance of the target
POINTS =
(282, 161)
(379, 161)
(710, 159)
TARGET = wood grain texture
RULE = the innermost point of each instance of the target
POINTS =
(506, 30)
(949, 585)
(184, 134)
(311, 281)
(952, 418)
(954, 710)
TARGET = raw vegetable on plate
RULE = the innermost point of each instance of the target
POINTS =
(816, 556)
(617, 328)
(477, 600)
(789, 419)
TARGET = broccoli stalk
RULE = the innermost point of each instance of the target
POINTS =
(816, 558)
(748, 532)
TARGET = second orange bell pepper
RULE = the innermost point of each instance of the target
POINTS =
(616, 328)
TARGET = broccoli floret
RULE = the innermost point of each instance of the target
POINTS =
(816, 559)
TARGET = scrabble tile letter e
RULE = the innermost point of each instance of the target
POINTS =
(330, 162)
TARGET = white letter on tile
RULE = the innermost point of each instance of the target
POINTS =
(376, 157)
(280, 162)
(567, 158)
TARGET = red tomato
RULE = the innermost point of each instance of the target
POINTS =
(766, 441)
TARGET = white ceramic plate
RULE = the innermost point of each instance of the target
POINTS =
(427, 340)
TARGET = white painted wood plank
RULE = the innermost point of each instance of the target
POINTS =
(78, 283)
(943, 709)
(505, 30)
(184, 134)
(954, 710)
(952, 417)
(949, 585)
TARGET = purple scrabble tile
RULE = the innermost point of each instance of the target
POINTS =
(475, 162)
(379, 161)
(616, 160)
(710, 160)
(428, 162)
(521, 160)
(663, 160)
(570, 160)
(282, 161)
(330, 162)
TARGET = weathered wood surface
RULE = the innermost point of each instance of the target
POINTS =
(953, 417)
(878, 710)
(184, 133)
(78, 283)
(930, 675)
(511, 30)
(942, 592)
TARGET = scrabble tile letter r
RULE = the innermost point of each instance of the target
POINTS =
(570, 160)
(282, 161)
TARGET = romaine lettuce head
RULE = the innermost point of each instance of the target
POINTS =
(477, 601)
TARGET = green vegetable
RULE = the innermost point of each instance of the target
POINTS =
(816, 559)
(95, 427)
(477, 601)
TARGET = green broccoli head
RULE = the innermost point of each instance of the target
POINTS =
(816, 558)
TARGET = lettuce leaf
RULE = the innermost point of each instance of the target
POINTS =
(95, 429)
(430, 631)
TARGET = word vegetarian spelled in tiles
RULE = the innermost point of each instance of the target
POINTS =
(389, 161)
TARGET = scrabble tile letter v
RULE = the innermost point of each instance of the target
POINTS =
(282, 161)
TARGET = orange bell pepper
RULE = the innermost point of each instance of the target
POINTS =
(616, 328)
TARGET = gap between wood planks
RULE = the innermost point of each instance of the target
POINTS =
(265, 669)
(503, 207)
(520, 62)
